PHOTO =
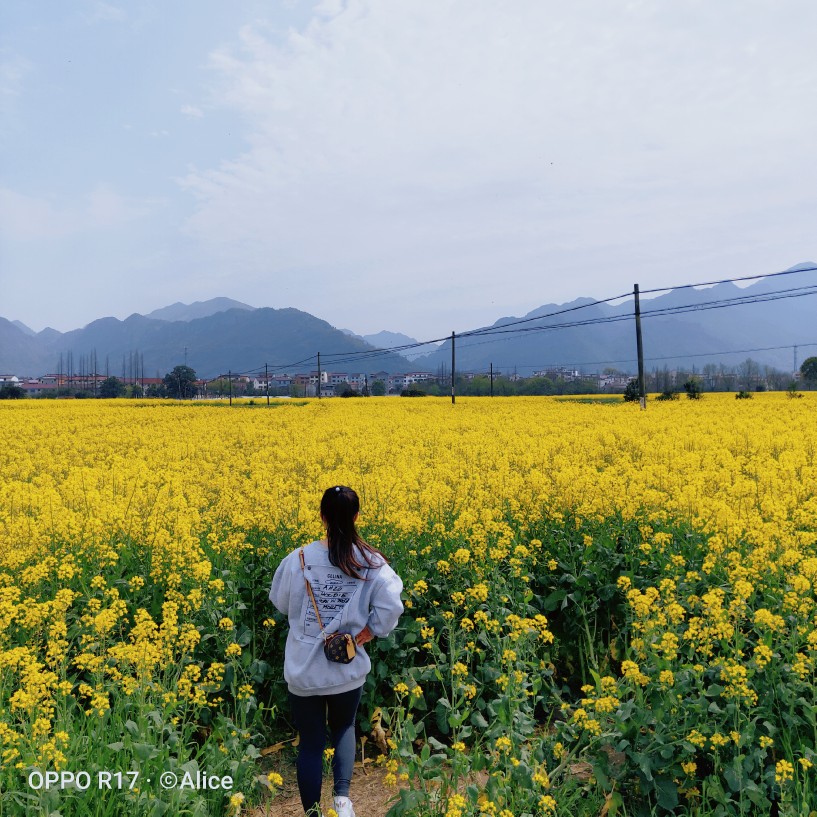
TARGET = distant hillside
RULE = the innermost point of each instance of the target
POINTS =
(236, 340)
(198, 309)
(391, 340)
(685, 339)
(23, 328)
(20, 353)
(243, 338)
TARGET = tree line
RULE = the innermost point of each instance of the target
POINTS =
(181, 384)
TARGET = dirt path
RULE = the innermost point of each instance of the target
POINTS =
(369, 794)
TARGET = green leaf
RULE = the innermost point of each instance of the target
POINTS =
(478, 720)
(551, 602)
(144, 751)
(645, 764)
(733, 778)
(667, 793)
(601, 777)
(259, 671)
(614, 803)
(160, 808)
(411, 802)
(441, 713)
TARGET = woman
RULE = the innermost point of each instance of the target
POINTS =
(355, 591)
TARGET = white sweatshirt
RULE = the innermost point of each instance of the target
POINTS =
(346, 605)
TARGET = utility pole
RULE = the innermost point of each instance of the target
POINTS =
(642, 389)
(318, 387)
(266, 378)
(453, 398)
(230, 378)
(794, 370)
(492, 379)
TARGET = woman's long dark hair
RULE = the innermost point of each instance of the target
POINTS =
(339, 505)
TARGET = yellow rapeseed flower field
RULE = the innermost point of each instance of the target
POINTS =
(137, 540)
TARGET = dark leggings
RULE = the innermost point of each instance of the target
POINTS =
(310, 715)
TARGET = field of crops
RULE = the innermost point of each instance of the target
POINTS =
(608, 611)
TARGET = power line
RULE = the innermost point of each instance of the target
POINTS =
(794, 292)
(575, 364)
(548, 315)
(516, 327)
(732, 280)
(274, 367)
(668, 310)
(507, 328)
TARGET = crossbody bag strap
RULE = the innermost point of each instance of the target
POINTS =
(309, 590)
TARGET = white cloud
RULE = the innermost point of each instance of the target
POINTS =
(25, 218)
(480, 143)
(14, 69)
(106, 12)
(192, 111)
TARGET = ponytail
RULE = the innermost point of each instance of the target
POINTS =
(339, 506)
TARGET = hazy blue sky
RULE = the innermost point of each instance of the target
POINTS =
(417, 165)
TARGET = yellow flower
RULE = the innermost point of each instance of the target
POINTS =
(503, 743)
(697, 739)
(784, 771)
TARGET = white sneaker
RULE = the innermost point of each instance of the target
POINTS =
(343, 806)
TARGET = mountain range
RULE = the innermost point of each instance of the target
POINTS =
(237, 339)
(395, 340)
(702, 333)
(680, 328)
